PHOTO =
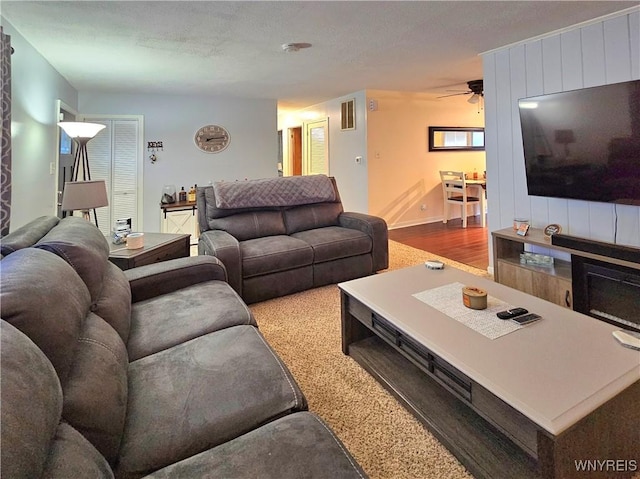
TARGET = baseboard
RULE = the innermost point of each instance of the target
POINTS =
(406, 224)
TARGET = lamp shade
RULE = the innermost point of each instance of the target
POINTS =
(81, 129)
(84, 195)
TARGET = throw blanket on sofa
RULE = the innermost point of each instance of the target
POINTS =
(284, 191)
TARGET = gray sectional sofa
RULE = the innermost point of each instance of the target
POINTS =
(159, 371)
(278, 236)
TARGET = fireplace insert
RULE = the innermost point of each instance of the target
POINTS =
(606, 291)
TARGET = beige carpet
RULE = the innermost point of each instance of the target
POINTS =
(385, 439)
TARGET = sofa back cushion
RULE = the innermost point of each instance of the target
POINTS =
(31, 405)
(307, 217)
(34, 441)
(250, 225)
(27, 235)
(44, 297)
(83, 246)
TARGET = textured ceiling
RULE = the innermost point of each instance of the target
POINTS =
(234, 48)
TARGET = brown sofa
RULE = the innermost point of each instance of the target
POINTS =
(160, 370)
(277, 236)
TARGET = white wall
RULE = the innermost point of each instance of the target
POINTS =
(174, 120)
(35, 89)
(403, 173)
(344, 146)
(604, 51)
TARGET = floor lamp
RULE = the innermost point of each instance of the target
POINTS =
(81, 132)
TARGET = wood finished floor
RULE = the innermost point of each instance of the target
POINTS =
(466, 245)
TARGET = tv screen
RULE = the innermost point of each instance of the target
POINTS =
(584, 144)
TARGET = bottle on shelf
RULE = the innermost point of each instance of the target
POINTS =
(192, 194)
(182, 195)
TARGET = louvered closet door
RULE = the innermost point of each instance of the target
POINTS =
(113, 157)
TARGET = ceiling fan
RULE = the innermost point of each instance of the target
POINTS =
(476, 90)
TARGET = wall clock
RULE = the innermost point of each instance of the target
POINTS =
(212, 138)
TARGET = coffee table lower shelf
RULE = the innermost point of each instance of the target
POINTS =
(480, 447)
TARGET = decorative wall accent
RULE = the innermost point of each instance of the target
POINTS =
(5, 137)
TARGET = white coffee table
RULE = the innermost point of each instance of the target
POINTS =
(531, 402)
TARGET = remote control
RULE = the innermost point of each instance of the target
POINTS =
(526, 318)
(511, 313)
(628, 340)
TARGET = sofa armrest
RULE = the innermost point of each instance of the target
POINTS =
(161, 278)
(376, 228)
(226, 248)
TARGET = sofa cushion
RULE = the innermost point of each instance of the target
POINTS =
(71, 455)
(271, 254)
(311, 216)
(83, 246)
(95, 393)
(165, 321)
(34, 441)
(46, 299)
(114, 302)
(31, 404)
(255, 224)
(295, 446)
(27, 235)
(42, 295)
(334, 242)
(200, 394)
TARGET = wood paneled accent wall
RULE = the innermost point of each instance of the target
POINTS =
(600, 52)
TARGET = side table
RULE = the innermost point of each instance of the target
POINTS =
(157, 247)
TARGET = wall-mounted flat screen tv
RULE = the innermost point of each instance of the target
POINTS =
(584, 144)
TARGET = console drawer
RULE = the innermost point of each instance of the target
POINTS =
(452, 378)
(417, 352)
(384, 329)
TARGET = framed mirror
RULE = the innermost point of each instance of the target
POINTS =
(453, 138)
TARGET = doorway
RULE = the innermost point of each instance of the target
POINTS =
(316, 148)
(295, 150)
(116, 157)
(66, 156)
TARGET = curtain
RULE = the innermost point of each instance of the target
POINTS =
(5, 133)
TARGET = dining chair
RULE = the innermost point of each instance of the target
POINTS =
(454, 192)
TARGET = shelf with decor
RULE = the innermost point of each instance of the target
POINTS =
(550, 282)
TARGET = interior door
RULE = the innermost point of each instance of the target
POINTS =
(316, 148)
(295, 150)
(115, 156)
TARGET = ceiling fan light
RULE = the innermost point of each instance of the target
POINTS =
(475, 98)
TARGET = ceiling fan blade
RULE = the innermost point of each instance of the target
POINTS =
(455, 94)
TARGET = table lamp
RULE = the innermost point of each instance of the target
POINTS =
(84, 196)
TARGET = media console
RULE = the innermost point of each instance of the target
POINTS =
(567, 282)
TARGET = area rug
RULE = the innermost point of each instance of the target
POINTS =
(387, 441)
